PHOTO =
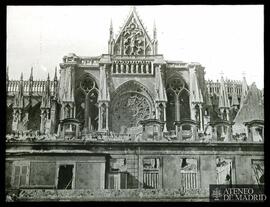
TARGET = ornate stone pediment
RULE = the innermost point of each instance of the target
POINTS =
(133, 39)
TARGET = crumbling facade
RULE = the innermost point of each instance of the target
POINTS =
(116, 125)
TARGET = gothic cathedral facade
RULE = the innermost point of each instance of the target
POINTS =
(130, 120)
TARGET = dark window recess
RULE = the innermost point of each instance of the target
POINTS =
(65, 177)
(124, 181)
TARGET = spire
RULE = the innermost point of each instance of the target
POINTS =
(196, 94)
(208, 101)
(55, 74)
(111, 30)
(31, 74)
(223, 96)
(235, 101)
(21, 76)
(244, 90)
(20, 92)
(48, 85)
(45, 100)
(161, 93)
(155, 31)
(103, 95)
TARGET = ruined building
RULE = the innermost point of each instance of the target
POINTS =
(131, 125)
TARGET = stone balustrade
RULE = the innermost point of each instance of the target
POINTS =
(132, 67)
(35, 87)
(213, 87)
(90, 61)
(177, 65)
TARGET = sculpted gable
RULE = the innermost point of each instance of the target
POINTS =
(133, 38)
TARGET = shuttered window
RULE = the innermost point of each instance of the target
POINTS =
(189, 173)
(20, 174)
(151, 177)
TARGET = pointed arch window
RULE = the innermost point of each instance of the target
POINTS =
(178, 106)
(86, 102)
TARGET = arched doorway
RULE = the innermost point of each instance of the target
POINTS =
(86, 103)
(178, 107)
(131, 103)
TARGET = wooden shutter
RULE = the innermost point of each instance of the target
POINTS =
(20, 174)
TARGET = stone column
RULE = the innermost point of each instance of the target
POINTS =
(147, 68)
(165, 118)
(137, 68)
(140, 169)
(99, 117)
(86, 114)
(103, 107)
(192, 111)
(112, 68)
(201, 118)
(16, 119)
(249, 139)
(116, 68)
(177, 108)
(223, 132)
(229, 133)
(252, 130)
(74, 111)
(194, 132)
(122, 68)
(107, 117)
(142, 65)
(228, 115)
(43, 118)
(157, 110)
(214, 133)
(180, 133)
(53, 116)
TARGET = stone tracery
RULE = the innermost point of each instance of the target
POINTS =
(129, 109)
(86, 100)
(133, 39)
(178, 101)
(131, 104)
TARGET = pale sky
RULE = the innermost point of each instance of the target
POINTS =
(221, 38)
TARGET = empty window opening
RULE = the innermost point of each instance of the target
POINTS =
(258, 171)
(224, 170)
(118, 175)
(258, 134)
(189, 173)
(151, 167)
(65, 177)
